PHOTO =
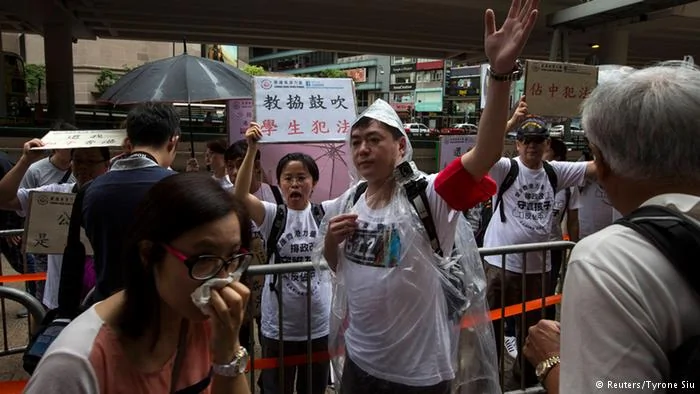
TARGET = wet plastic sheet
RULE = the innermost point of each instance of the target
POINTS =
(429, 293)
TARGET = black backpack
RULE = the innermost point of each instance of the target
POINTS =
(69, 290)
(488, 208)
(678, 239)
(278, 226)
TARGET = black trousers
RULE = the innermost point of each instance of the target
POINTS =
(357, 381)
(319, 371)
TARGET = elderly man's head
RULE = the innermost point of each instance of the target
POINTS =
(644, 128)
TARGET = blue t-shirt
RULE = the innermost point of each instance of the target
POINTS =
(109, 206)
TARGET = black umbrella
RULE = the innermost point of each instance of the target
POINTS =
(182, 78)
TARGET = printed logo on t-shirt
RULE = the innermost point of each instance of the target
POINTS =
(374, 244)
(534, 206)
(296, 247)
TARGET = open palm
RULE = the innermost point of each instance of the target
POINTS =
(505, 45)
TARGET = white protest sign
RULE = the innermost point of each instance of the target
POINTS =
(557, 89)
(72, 139)
(46, 227)
(454, 146)
(240, 114)
(304, 109)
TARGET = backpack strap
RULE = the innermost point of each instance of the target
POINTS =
(277, 194)
(318, 212)
(674, 235)
(278, 225)
(73, 267)
(567, 193)
(415, 191)
(508, 181)
(551, 175)
(361, 188)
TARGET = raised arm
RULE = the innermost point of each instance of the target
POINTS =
(503, 47)
(9, 184)
(241, 189)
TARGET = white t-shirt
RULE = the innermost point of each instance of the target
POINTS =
(224, 181)
(595, 212)
(394, 294)
(528, 207)
(561, 208)
(625, 308)
(53, 269)
(295, 246)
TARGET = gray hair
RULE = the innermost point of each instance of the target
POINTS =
(646, 123)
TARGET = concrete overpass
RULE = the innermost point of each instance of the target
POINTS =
(635, 32)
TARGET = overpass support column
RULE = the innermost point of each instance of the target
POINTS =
(559, 49)
(58, 51)
(614, 47)
(3, 83)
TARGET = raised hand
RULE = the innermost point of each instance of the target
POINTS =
(504, 46)
(519, 115)
(32, 155)
(253, 135)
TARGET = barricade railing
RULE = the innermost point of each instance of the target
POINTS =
(525, 305)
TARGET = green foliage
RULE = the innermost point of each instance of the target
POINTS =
(36, 74)
(332, 73)
(106, 79)
(255, 71)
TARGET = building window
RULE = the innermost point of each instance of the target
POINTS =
(402, 97)
(429, 76)
(402, 78)
(362, 98)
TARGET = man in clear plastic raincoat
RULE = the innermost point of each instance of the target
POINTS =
(409, 311)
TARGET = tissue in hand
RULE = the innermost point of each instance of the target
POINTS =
(202, 295)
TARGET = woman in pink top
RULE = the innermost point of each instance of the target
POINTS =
(150, 337)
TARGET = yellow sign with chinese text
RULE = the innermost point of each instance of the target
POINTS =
(555, 89)
(46, 227)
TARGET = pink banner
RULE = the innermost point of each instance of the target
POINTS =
(334, 178)
(240, 114)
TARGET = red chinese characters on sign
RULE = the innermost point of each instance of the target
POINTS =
(569, 92)
(584, 92)
(269, 126)
(319, 126)
(535, 89)
(294, 128)
(553, 89)
(343, 126)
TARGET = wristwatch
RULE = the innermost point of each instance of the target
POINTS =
(512, 76)
(235, 367)
(545, 366)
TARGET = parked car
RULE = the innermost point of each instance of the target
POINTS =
(416, 129)
(460, 128)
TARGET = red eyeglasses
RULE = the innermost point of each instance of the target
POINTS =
(207, 266)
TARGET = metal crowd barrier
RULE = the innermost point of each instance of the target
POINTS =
(37, 311)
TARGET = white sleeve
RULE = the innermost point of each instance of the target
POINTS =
(575, 201)
(569, 173)
(268, 220)
(607, 335)
(63, 373)
(23, 198)
(23, 194)
(499, 170)
(29, 179)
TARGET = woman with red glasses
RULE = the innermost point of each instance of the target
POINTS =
(150, 337)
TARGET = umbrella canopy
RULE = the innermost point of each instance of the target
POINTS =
(182, 78)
